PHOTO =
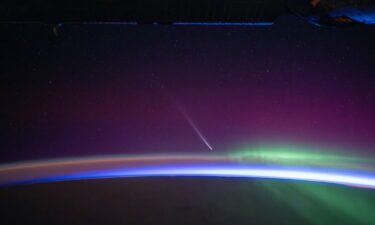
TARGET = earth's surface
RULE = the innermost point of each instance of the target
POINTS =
(186, 201)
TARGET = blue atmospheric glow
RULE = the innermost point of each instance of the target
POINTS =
(239, 171)
(366, 16)
(224, 23)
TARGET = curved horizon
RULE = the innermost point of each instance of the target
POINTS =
(174, 166)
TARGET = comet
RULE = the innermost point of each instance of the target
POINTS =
(181, 109)
(195, 128)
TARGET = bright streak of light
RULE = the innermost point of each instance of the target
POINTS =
(172, 165)
(236, 171)
(195, 128)
(357, 180)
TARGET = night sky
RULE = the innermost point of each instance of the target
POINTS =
(117, 89)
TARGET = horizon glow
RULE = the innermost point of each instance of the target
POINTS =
(183, 169)
(236, 171)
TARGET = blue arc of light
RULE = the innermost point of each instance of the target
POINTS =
(224, 23)
(357, 179)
